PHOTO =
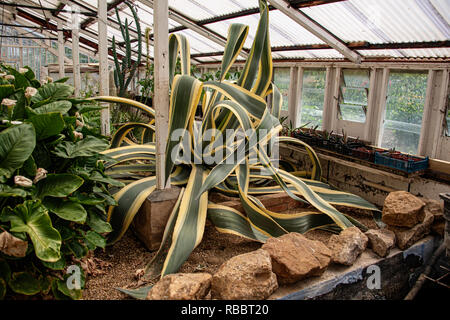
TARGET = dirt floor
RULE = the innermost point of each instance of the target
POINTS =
(121, 263)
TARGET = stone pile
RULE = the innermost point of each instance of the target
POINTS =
(293, 257)
(408, 217)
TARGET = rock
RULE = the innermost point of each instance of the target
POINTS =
(436, 208)
(402, 209)
(347, 246)
(294, 257)
(381, 241)
(247, 276)
(181, 286)
(408, 236)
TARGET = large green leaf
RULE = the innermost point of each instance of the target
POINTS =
(96, 239)
(87, 147)
(97, 223)
(48, 124)
(16, 145)
(52, 92)
(58, 185)
(6, 90)
(62, 106)
(24, 283)
(7, 191)
(31, 217)
(66, 210)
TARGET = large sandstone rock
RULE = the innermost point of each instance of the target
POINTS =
(181, 286)
(381, 241)
(408, 236)
(402, 209)
(347, 246)
(247, 276)
(295, 257)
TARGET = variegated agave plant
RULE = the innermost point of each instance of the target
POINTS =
(225, 105)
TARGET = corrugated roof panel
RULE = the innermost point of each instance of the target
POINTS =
(381, 21)
(405, 21)
(200, 10)
(310, 54)
(200, 43)
(283, 30)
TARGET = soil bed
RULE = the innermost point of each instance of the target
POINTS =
(129, 255)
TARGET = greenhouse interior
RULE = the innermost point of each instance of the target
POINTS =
(324, 174)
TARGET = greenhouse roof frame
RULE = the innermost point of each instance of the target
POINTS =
(361, 28)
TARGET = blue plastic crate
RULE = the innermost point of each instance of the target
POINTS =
(407, 166)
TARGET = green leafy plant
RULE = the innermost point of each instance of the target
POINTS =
(225, 105)
(125, 68)
(53, 186)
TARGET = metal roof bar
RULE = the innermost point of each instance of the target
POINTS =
(316, 29)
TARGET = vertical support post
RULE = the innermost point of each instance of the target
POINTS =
(328, 110)
(21, 53)
(76, 50)
(298, 101)
(103, 66)
(161, 45)
(61, 50)
(293, 87)
(382, 105)
(427, 124)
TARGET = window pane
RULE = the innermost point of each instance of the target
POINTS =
(313, 95)
(353, 95)
(355, 78)
(404, 110)
(351, 112)
(282, 78)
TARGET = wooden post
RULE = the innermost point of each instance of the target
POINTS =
(103, 67)
(61, 51)
(298, 102)
(293, 89)
(382, 105)
(161, 99)
(76, 50)
(21, 53)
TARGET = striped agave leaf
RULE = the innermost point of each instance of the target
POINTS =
(226, 106)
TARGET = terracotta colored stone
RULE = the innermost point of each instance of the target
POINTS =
(408, 236)
(294, 257)
(347, 246)
(381, 241)
(402, 209)
(181, 286)
(247, 276)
